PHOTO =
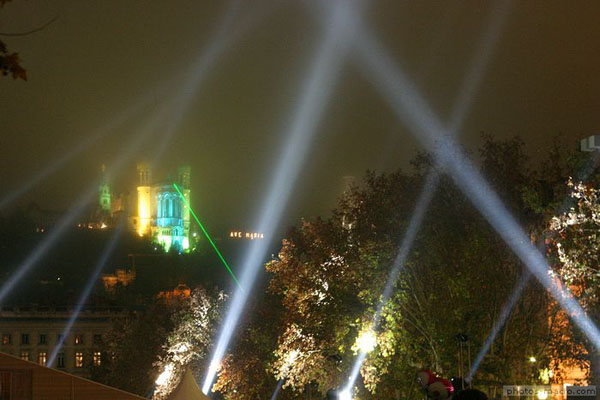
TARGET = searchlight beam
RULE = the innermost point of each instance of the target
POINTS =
(410, 107)
(316, 92)
(110, 246)
(462, 104)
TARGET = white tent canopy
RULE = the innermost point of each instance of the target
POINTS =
(187, 389)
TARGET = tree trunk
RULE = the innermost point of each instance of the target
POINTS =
(307, 392)
(595, 370)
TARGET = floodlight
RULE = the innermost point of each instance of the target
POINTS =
(366, 341)
(345, 394)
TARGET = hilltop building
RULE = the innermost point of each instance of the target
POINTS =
(156, 211)
(104, 192)
(161, 212)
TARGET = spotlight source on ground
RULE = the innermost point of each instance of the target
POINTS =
(345, 395)
(333, 394)
(366, 341)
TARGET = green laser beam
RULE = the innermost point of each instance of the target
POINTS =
(207, 236)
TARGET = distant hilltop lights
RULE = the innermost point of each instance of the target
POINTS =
(246, 235)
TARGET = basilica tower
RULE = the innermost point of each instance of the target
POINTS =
(144, 203)
(104, 192)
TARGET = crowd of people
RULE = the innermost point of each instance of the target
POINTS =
(436, 388)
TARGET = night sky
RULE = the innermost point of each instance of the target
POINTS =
(100, 57)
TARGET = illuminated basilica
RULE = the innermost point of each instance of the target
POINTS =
(161, 212)
(158, 211)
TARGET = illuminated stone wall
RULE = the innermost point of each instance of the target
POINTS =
(143, 220)
(161, 213)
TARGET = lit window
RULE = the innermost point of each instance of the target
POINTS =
(78, 338)
(60, 360)
(97, 359)
(42, 358)
(25, 338)
(25, 355)
(6, 338)
(79, 359)
(43, 339)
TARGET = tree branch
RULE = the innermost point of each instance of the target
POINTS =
(40, 28)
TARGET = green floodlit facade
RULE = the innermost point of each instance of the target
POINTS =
(172, 218)
(155, 210)
(104, 193)
(162, 214)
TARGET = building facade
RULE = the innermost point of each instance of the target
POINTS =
(156, 210)
(104, 199)
(161, 212)
(33, 334)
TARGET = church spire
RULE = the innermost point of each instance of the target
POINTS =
(104, 191)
